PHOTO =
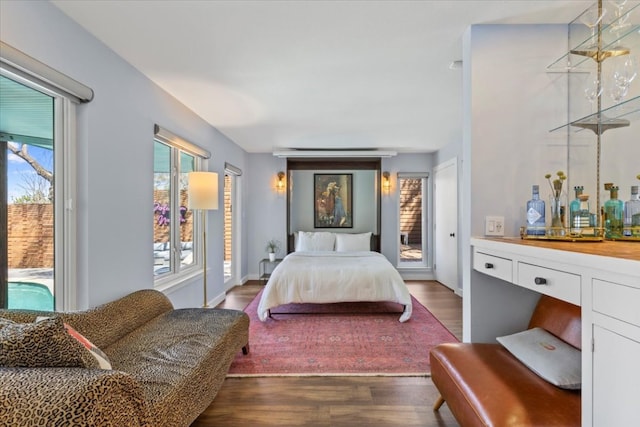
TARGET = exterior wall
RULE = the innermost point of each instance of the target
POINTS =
(30, 231)
(30, 235)
(411, 210)
(160, 230)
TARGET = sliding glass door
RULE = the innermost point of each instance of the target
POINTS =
(27, 196)
(232, 229)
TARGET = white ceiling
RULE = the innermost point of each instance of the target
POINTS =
(310, 74)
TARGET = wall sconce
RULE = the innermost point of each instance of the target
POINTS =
(386, 182)
(281, 184)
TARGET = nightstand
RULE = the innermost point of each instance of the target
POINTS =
(265, 268)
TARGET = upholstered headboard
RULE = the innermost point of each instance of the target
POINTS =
(375, 243)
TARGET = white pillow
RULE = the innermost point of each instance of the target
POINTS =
(548, 356)
(309, 241)
(346, 242)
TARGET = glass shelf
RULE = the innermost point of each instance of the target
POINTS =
(618, 33)
(620, 115)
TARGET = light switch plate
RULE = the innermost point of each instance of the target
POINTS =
(494, 225)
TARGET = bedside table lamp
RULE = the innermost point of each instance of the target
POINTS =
(203, 195)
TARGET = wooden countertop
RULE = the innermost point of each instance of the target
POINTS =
(625, 250)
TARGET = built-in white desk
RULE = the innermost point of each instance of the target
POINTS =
(603, 278)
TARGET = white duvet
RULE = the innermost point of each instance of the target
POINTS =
(328, 277)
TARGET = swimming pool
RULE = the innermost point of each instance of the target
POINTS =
(30, 295)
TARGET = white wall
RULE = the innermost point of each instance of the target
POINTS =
(115, 155)
(266, 208)
(514, 104)
(510, 103)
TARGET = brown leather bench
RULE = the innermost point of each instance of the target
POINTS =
(485, 385)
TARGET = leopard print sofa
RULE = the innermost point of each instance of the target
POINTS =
(167, 366)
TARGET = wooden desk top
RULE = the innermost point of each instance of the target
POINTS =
(625, 250)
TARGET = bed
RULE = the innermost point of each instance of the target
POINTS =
(330, 269)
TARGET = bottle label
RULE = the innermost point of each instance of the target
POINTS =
(533, 216)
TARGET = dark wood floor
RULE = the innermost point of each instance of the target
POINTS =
(336, 401)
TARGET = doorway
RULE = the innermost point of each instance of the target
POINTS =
(412, 220)
(232, 232)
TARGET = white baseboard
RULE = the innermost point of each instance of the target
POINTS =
(217, 300)
(416, 274)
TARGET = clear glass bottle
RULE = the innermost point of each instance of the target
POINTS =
(632, 212)
(582, 219)
(574, 208)
(614, 214)
(535, 214)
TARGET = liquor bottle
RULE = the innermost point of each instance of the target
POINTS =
(574, 208)
(614, 213)
(632, 211)
(582, 218)
(535, 214)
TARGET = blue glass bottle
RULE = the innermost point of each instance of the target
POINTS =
(632, 214)
(535, 214)
(614, 212)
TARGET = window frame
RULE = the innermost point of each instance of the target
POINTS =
(179, 274)
(64, 188)
(235, 174)
(424, 264)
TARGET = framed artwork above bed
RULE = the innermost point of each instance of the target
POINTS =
(333, 200)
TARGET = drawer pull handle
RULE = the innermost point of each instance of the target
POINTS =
(540, 281)
(488, 265)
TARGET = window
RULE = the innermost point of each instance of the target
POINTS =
(413, 229)
(37, 212)
(175, 245)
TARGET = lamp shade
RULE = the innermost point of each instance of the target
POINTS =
(203, 190)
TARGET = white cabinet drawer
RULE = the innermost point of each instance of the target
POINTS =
(555, 283)
(502, 268)
(617, 300)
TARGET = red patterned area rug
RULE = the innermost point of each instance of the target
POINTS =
(349, 339)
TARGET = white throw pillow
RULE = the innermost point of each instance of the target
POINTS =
(346, 242)
(309, 241)
(548, 356)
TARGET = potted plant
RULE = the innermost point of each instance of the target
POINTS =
(273, 246)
